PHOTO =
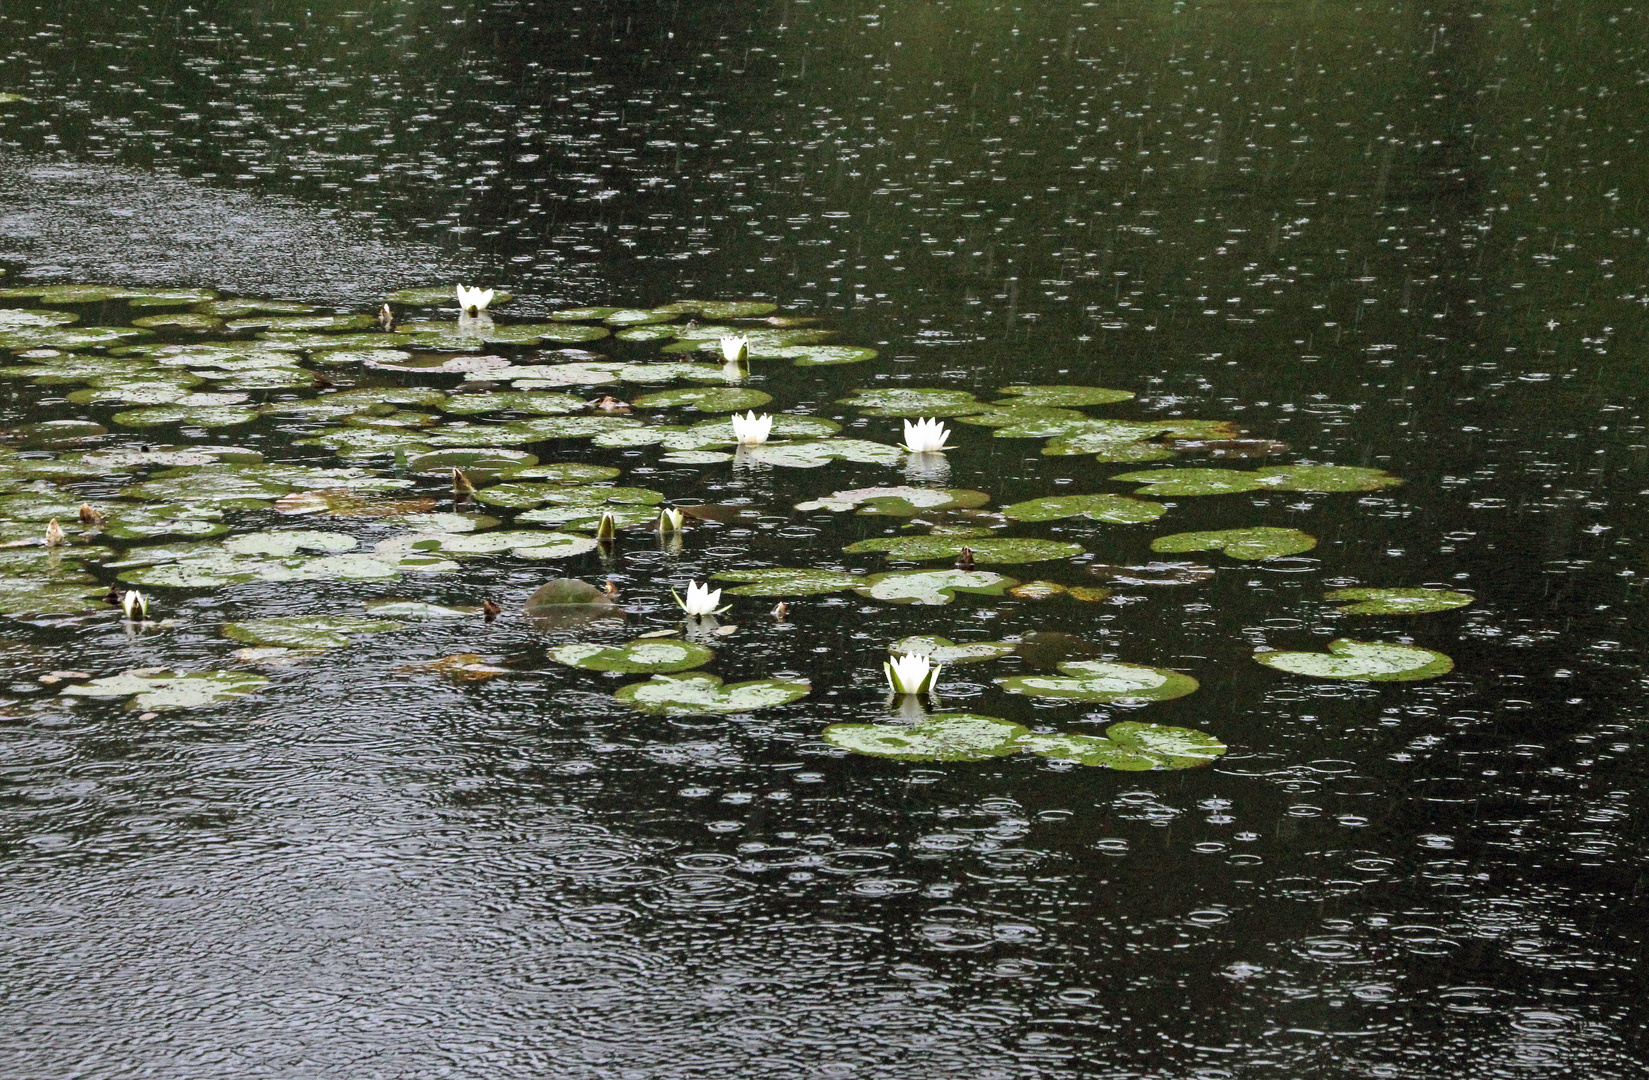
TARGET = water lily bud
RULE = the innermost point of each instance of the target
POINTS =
(55, 536)
(606, 530)
(461, 486)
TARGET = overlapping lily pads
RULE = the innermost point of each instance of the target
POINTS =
(1257, 543)
(698, 693)
(1103, 681)
(1130, 746)
(912, 402)
(1062, 396)
(161, 689)
(1368, 661)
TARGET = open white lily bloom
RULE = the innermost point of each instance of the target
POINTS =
(473, 301)
(136, 606)
(670, 520)
(750, 429)
(911, 673)
(701, 600)
(925, 436)
(734, 349)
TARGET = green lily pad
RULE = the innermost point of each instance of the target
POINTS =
(587, 518)
(207, 416)
(813, 455)
(237, 307)
(640, 317)
(191, 489)
(523, 544)
(159, 689)
(61, 294)
(897, 501)
(305, 341)
(698, 693)
(947, 652)
(1104, 681)
(945, 737)
(1062, 396)
(911, 401)
(1130, 746)
(1399, 601)
(721, 309)
(994, 550)
(566, 472)
(471, 459)
(301, 323)
(80, 337)
(142, 298)
(536, 402)
(1261, 542)
(1028, 421)
(367, 442)
(785, 581)
(1115, 509)
(22, 318)
(306, 631)
(932, 587)
(164, 522)
(1368, 661)
(63, 590)
(524, 495)
(818, 355)
(706, 399)
(637, 657)
(647, 333)
(1320, 478)
(180, 320)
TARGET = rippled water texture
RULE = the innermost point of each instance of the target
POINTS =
(1394, 235)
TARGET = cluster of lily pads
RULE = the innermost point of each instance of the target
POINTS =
(439, 467)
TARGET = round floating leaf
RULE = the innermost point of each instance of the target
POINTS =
(722, 309)
(946, 737)
(61, 592)
(567, 472)
(1034, 421)
(211, 488)
(1103, 681)
(1399, 601)
(707, 399)
(898, 501)
(1362, 660)
(1192, 481)
(785, 426)
(635, 658)
(990, 550)
(813, 455)
(1115, 509)
(158, 689)
(1328, 478)
(237, 307)
(1062, 396)
(640, 317)
(414, 609)
(182, 320)
(697, 693)
(522, 496)
(164, 522)
(1320, 478)
(947, 652)
(476, 459)
(587, 518)
(647, 333)
(900, 401)
(196, 416)
(1131, 747)
(783, 581)
(582, 314)
(818, 355)
(522, 544)
(22, 318)
(306, 631)
(566, 592)
(1262, 542)
(536, 402)
(932, 587)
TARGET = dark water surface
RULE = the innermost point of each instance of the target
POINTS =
(1405, 236)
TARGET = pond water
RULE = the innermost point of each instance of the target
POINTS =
(1401, 239)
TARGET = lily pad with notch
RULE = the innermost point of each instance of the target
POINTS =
(1103, 682)
(947, 652)
(161, 689)
(942, 737)
(932, 587)
(1399, 601)
(1367, 661)
(899, 501)
(306, 631)
(697, 693)
(1062, 396)
(1258, 543)
(648, 656)
(1112, 509)
(1131, 746)
(715, 399)
(1312, 478)
(990, 550)
(786, 581)
(912, 401)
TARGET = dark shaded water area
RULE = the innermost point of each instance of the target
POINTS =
(1399, 236)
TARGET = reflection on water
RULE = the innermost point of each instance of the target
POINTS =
(1403, 238)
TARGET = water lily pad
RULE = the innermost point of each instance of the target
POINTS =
(818, 355)
(813, 455)
(640, 317)
(912, 401)
(471, 459)
(1115, 509)
(79, 337)
(1062, 396)
(191, 489)
(391, 608)
(164, 523)
(947, 652)
(535, 402)
(160, 689)
(1321, 478)
(1131, 747)
(897, 501)
(1399, 601)
(587, 518)
(208, 416)
(344, 503)
(1369, 661)
(21, 318)
(566, 472)
(521, 495)
(1104, 681)
(145, 298)
(995, 550)
(238, 307)
(636, 657)
(945, 737)
(785, 581)
(932, 587)
(706, 399)
(63, 590)
(647, 333)
(721, 309)
(566, 592)
(698, 693)
(180, 320)
(1261, 542)
(1028, 421)
(296, 323)
(61, 294)
(523, 544)
(306, 631)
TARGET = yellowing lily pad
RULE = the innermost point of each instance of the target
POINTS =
(160, 689)
(945, 737)
(1399, 601)
(988, 550)
(1261, 542)
(698, 693)
(1131, 747)
(1104, 681)
(1368, 661)
(636, 657)
(1114, 509)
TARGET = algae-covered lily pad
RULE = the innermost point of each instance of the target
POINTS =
(637, 657)
(698, 692)
(946, 737)
(706, 399)
(784, 581)
(1369, 661)
(1399, 601)
(901, 401)
(1130, 746)
(902, 501)
(158, 689)
(987, 550)
(932, 587)
(1115, 509)
(945, 651)
(1063, 396)
(1261, 542)
(1318, 478)
(306, 631)
(1103, 681)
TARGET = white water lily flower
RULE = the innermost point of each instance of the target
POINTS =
(670, 520)
(750, 429)
(136, 605)
(734, 349)
(911, 673)
(701, 600)
(473, 301)
(925, 436)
